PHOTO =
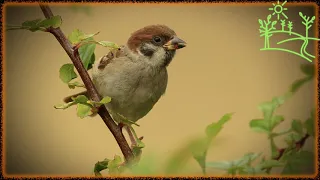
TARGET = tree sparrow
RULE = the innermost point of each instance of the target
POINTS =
(135, 75)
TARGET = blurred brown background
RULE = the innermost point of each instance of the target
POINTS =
(221, 70)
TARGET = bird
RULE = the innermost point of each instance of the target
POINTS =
(135, 75)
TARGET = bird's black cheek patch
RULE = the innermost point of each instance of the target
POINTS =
(146, 51)
(168, 57)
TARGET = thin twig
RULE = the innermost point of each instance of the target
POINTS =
(298, 145)
(92, 92)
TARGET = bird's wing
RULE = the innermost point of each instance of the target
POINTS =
(102, 63)
(111, 56)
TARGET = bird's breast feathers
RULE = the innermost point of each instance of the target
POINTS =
(134, 85)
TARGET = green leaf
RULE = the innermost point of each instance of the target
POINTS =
(108, 44)
(83, 110)
(270, 164)
(140, 144)
(80, 99)
(9, 28)
(114, 164)
(213, 129)
(267, 109)
(309, 125)
(276, 120)
(67, 73)
(201, 159)
(247, 159)
(223, 165)
(100, 166)
(87, 36)
(72, 85)
(180, 157)
(308, 69)
(198, 147)
(274, 148)
(252, 171)
(246, 171)
(199, 152)
(241, 165)
(297, 126)
(280, 133)
(278, 101)
(86, 52)
(136, 151)
(54, 21)
(288, 139)
(32, 23)
(296, 85)
(63, 106)
(259, 125)
(260, 22)
(300, 163)
(146, 166)
(104, 100)
(296, 137)
(92, 60)
(232, 171)
(75, 36)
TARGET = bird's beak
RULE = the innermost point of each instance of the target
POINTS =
(175, 43)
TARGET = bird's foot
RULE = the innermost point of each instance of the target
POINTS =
(135, 141)
(126, 121)
(121, 125)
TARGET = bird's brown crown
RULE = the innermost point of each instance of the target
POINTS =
(147, 33)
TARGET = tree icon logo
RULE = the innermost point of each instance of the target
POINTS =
(268, 29)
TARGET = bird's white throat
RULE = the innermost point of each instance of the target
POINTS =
(158, 57)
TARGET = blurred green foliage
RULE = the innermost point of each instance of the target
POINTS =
(80, 8)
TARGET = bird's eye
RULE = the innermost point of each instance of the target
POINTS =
(157, 39)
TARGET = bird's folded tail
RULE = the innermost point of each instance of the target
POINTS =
(69, 98)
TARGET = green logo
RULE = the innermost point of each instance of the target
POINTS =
(268, 29)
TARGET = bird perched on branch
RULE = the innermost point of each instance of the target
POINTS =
(135, 75)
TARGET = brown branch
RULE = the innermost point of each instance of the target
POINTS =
(92, 92)
(298, 145)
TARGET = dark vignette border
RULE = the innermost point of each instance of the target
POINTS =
(142, 1)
